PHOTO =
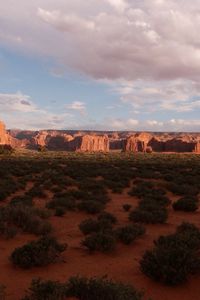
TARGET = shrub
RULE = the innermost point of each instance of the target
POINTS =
(129, 233)
(27, 218)
(59, 212)
(127, 207)
(22, 200)
(151, 215)
(37, 253)
(6, 150)
(174, 257)
(91, 207)
(101, 289)
(89, 226)
(106, 216)
(83, 289)
(65, 203)
(46, 290)
(103, 242)
(189, 204)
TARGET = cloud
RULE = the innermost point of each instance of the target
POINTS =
(150, 96)
(77, 106)
(16, 102)
(148, 51)
(148, 39)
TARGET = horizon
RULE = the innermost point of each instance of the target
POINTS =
(104, 65)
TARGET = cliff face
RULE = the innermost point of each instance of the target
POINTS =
(7, 139)
(89, 143)
(144, 143)
(137, 143)
(83, 143)
(182, 145)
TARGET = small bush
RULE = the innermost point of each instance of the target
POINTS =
(101, 289)
(106, 216)
(89, 226)
(189, 204)
(174, 257)
(27, 218)
(151, 215)
(37, 253)
(129, 233)
(127, 207)
(83, 289)
(59, 212)
(103, 242)
(46, 290)
(6, 150)
(91, 207)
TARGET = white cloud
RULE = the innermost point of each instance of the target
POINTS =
(149, 39)
(151, 96)
(77, 106)
(119, 5)
(16, 102)
(148, 49)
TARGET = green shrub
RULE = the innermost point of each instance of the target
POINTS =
(174, 257)
(37, 253)
(150, 215)
(106, 216)
(59, 211)
(91, 207)
(27, 218)
(89, 226)
(6, 150)
(103, 242)
(189, 204)
(129, 233)
(65, 203)
(46, 290)
(22, 200)
(101, 289)
(127, 207)
(83, 289)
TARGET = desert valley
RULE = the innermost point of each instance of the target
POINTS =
(99, 150)
(92, 216)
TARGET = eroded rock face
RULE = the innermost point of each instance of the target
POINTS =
(148, 143)
(182, 145)
(98, 141)
(7, 139)
(4, 139)
(137, 143)
(90, 143)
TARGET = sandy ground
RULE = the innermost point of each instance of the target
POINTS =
(123, 264)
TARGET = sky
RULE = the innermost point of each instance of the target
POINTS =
(100, 64)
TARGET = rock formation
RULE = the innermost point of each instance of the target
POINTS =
(90, 143)
(94, 141)
(137, 143)
(7, 139)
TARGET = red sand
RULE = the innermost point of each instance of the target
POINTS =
(121, 265)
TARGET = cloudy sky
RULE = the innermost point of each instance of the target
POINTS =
(100, 64)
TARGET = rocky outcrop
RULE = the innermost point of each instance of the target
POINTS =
(146, 143)
(7, 139)
(137, 142)
(90, 143)
(182, 145)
